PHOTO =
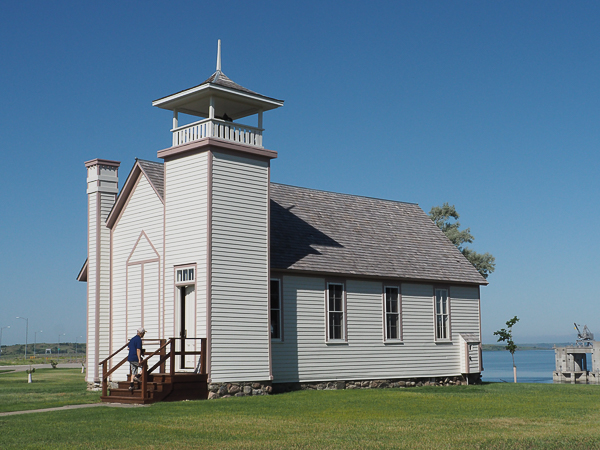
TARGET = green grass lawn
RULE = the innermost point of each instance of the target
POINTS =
(494, 416)
(50, 388)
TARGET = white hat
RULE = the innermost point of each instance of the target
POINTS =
(141, 330)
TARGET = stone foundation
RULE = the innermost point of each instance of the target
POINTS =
(241, 389)
(95, 386)
(379, 384)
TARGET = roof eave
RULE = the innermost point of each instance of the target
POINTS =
(267, 103)
(82, 276)
(400, 278)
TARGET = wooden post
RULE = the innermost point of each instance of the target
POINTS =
(203, 356)
(172, 357)
(104, 380)
(211, 109)
(144, 378)
(162, 353)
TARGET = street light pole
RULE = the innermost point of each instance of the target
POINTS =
(35, 341)
(2, 328)
(26, 333)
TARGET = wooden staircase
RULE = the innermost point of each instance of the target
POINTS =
(161, 387)
(158, 386)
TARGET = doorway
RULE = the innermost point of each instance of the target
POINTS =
(185, 328)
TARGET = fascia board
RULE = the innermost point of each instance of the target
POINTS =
(82, 276)
(265, 102)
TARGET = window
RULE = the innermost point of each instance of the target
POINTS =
(275, 305)
(185, 276)
(442, 318)
(335, 311)
(392, 312)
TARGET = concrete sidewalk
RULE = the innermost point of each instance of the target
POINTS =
(24, 367)
(68, 407)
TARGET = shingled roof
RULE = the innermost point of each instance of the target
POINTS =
(156, 175)
(326, 232)
(221, 79)
(318, 231)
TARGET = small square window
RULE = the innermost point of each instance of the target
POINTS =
(185, 276)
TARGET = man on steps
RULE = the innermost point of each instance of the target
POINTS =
(135, 356)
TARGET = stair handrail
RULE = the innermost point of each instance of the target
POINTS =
(109, 357)
(144, 364)
(183, 352)
(157, 352)
(106, 374)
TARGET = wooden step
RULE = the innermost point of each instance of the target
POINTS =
(132, 400)
(161, 387)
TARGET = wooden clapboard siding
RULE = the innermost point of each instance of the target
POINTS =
(186, 196)
(305, 356)
(99, 206)
(464, 304)
(137, 254)
(151, 292)
(92, 357)
(239, 275)
(106, 204)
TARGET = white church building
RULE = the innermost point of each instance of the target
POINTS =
(257, 284)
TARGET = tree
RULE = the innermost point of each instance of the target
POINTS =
(505, 335)
(442, 216)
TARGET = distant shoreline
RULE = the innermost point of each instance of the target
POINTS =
(544, 346)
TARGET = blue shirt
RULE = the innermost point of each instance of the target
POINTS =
(134, 344)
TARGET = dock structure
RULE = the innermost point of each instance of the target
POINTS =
(572, 367)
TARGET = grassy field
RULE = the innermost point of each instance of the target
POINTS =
(494, 416)
(51, 388)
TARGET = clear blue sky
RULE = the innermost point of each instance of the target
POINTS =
(491, 106)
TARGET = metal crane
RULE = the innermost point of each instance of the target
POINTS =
(584, 338)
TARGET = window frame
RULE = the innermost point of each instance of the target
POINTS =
(400, 338)
(279, 311)
(344, 322)
(186, 267)
(448, 337)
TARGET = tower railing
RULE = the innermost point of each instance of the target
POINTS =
(216, 128)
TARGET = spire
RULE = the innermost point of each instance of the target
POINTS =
(219, 56)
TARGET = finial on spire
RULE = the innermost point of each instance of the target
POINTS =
(219, 56)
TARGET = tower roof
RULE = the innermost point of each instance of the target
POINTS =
(229, 98)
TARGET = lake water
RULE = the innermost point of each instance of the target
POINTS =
(533, 366)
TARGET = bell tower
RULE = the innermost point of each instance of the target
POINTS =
(219, 101)
(217, 175)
